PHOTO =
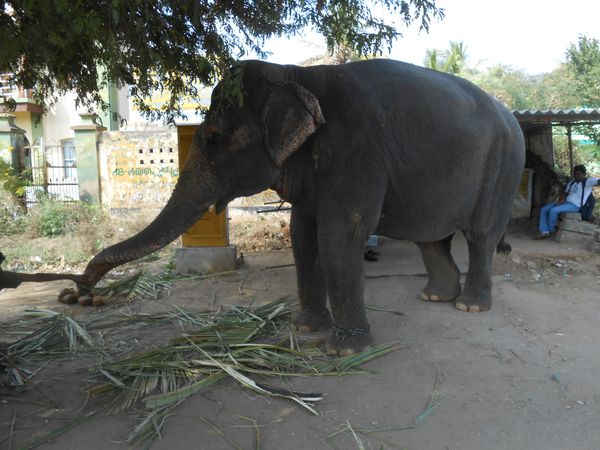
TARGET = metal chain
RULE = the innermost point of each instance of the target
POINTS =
(341, 334)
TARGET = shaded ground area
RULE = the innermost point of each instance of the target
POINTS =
(523, 375)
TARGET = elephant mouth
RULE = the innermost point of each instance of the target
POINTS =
(220, 205)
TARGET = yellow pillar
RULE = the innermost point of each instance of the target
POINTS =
(211, 230)
(205, 246)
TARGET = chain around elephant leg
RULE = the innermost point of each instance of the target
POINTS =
(347, 341)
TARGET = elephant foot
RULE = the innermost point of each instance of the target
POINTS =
(468, 303)
(69, 297)
(307, 321)
(433, 293)
(350, 345)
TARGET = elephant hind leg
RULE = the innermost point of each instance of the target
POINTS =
(444, 276)
(477, 294)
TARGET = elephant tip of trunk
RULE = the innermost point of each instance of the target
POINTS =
(94, 272)
(84, 288)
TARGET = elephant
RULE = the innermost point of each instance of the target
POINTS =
(369, 147)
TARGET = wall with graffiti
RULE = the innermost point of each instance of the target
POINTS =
(139, 167)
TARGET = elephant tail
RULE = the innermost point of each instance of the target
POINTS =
(503, 247)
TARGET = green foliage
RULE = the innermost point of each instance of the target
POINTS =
(557, 90)
(453, 60)
(432, 59)
(574, 84)
(12, 191)
(12, 215)
(514, 88)
(588, 155)
(54, 218)
(583, 62)
(172, 45)
(47, 218)
(11, 181)
(583, 59)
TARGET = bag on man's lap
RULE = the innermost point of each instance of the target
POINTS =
(587, 209)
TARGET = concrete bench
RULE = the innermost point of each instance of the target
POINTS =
(572, 229)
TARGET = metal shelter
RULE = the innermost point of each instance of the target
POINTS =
(532, 119)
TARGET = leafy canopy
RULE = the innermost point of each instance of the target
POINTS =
(174, 46)
(573, 84)
(583, 60)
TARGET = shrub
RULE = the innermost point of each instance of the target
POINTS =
(54, 218)
(12, 215)
(11, 181)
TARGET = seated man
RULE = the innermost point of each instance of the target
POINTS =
(576, 193)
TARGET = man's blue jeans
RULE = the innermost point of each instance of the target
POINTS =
(549, 215)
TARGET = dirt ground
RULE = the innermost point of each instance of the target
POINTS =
(521, 376)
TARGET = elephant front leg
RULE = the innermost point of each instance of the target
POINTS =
(477, 294)
(342, 249)
(313, 314)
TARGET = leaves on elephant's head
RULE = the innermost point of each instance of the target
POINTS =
(230, 91)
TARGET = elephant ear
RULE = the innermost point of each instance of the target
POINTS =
(290, 115)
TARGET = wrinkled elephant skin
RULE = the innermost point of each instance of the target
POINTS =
(368, 147)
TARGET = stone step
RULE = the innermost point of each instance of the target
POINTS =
(579, 227)
(571, 216)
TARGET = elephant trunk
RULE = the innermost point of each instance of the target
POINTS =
(196, 189)
(12, 280)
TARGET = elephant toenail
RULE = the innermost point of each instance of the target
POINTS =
(346, 352)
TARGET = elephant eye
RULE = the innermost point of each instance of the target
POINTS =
(211, 138)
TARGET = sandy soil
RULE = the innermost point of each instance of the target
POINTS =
(521, 376)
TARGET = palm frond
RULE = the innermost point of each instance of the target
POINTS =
(59, 335)
(243, 344)
(150, 426)
(144, 285)
(240, 343)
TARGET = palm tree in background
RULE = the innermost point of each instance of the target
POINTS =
(432, 59)
(453, 60)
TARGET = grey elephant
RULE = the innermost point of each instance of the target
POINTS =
(375, 146)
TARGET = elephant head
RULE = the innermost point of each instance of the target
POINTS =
(238, 150)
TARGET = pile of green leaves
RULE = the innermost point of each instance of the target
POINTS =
(247, 345)
(238, 342)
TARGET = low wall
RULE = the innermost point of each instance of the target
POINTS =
(139, 168)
